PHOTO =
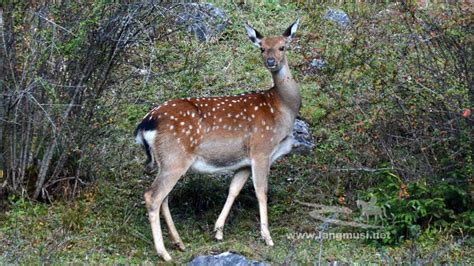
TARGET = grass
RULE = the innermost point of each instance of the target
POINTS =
(108, 223)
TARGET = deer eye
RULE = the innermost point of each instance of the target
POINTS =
(282, 48)
(262, 50)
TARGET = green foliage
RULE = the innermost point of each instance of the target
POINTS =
(419, 207)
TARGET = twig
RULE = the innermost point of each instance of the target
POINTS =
(364, 169)
(57, 25)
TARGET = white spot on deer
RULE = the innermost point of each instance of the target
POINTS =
(220, 120)
(271, 110)
(173, 104)
(188, 132)
(267, 128)
(182, 123)
(256, 108)
(252, 115)
(171, 127)
(193, 114)
(263, 122)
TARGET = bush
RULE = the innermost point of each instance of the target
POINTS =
(418, 206)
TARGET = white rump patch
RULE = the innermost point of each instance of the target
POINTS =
(149, 136)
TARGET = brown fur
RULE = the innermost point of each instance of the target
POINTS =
(242, 133)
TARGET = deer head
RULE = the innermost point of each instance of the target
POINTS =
(273, 48)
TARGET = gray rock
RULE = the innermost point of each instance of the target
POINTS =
(224, 259)
(302, 139)
(338, 16)
(318, 63)
(203, 20)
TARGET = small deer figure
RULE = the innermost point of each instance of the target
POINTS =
(244, 134)
(370, 208)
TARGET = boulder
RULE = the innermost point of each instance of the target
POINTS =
(224, 259)
(204, 20)
(302, 139)
(317, 63)
(338, 16)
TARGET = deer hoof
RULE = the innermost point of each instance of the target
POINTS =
(268, 241)
(180, 246)
(166, 256)
(219, 233)
(219, 236)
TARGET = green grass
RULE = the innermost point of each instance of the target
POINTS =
(108, 224)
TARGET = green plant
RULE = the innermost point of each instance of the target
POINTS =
(417, 207)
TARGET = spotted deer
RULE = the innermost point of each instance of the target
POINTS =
(244, 134)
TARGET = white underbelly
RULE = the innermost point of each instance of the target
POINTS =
(202, 166)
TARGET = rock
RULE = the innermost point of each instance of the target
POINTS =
(302, 138)
(223, 259)
(338, 16)
(203, 20)
(317, 63)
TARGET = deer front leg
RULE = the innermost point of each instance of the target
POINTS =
(260, 169)
(236, 185)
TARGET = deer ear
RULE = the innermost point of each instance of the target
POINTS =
(254, 35)
(289, 33)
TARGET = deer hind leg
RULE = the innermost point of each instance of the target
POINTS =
(236, 185)
(154, 197)
(177, 242)
(260, 169)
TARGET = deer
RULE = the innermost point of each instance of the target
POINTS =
(242, 134)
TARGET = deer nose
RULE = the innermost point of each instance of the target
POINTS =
(271, 62)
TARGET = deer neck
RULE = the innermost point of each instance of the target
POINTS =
(287, 89)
